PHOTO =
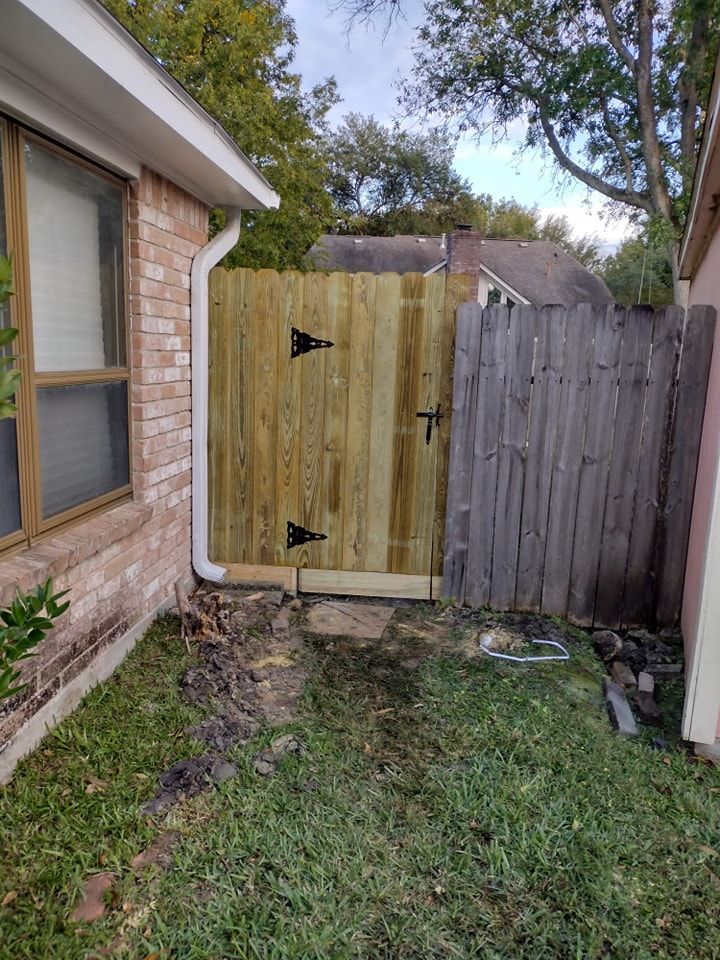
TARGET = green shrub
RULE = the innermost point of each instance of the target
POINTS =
(9, 377)
(23, 625)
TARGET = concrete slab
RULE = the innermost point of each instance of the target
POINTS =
(621, 715)
(339, 619)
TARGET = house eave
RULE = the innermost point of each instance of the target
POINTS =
(504, 287)
(69, 68)
(703, 216)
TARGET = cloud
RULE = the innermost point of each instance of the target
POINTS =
(589, 219)
(366, 64)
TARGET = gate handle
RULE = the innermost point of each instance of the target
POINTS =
(431, 415)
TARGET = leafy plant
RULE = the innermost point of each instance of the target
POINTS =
(23, 625)
(9, 377)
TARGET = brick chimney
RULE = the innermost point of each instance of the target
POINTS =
(464, 254)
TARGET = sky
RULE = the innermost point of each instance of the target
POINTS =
(367, 67)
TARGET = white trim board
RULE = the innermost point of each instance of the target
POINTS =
(700, 713)
(503, 287)
(83, 63)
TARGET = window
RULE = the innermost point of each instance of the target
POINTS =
(67, 451)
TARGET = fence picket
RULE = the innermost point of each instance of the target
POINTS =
(579, 334)
(640, 579)
(595, 464)
(464, 407)
(544, 413)
(622, 484)
(684, 449)
(488, 421)
(511, 455)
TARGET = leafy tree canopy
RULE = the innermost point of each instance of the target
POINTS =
(613, 89)
(235, 57)
(381, 177)
(386, 181)
(639, 272)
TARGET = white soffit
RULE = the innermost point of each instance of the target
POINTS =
(69, 68)
(702, 220)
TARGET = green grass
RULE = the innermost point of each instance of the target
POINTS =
(468, 808)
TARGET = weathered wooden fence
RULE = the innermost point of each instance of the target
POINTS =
(574, 448)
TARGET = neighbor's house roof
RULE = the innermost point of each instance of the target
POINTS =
(69, 69)
(704, 214)
(400, 254)
(542, 272)
(537, 269)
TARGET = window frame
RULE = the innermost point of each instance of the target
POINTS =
(34, 526)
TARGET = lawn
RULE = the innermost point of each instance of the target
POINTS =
(446, 805)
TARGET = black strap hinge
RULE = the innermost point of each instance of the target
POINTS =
(301, 342)
(297, 535)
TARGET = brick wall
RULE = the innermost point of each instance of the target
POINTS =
(464, 256)
(121, 565)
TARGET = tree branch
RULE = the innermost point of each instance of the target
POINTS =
(689, 97)
(646, 111)
(614, 135)
(622, 50)
(631, 197)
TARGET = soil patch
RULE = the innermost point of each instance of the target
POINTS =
(248, 674)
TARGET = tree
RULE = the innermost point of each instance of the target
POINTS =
(385, 180)
(508, 219)
(235, 58)
(613, 90)
(639, 272)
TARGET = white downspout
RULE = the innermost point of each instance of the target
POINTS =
(204, 261)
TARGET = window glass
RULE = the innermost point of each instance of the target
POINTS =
(75, 230)
(83, 443)
(9, 477)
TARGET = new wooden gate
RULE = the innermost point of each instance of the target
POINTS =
(329, 430)
(574, 449)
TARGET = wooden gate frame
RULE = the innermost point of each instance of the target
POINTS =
(348, 581)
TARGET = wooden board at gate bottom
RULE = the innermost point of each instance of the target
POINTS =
(344, 582)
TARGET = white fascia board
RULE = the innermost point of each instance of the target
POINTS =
(438, 266)
(700, 221)
(503, 287)
(77, 50)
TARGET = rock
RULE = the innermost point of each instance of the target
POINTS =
(634, 655)
(665, 671)
(295, 604)
(280, 625)
(222, 770)
(647, 707)
(619, 710)
(266, 762)
(91, 905)
(646, 682)
(659, 652)
(607, 644)
(337, 618)
(659, 743)
(623, 675)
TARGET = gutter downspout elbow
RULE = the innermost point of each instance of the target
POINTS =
(204, 261)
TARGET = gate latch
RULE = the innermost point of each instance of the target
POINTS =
(431, 415)
(297, 535)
